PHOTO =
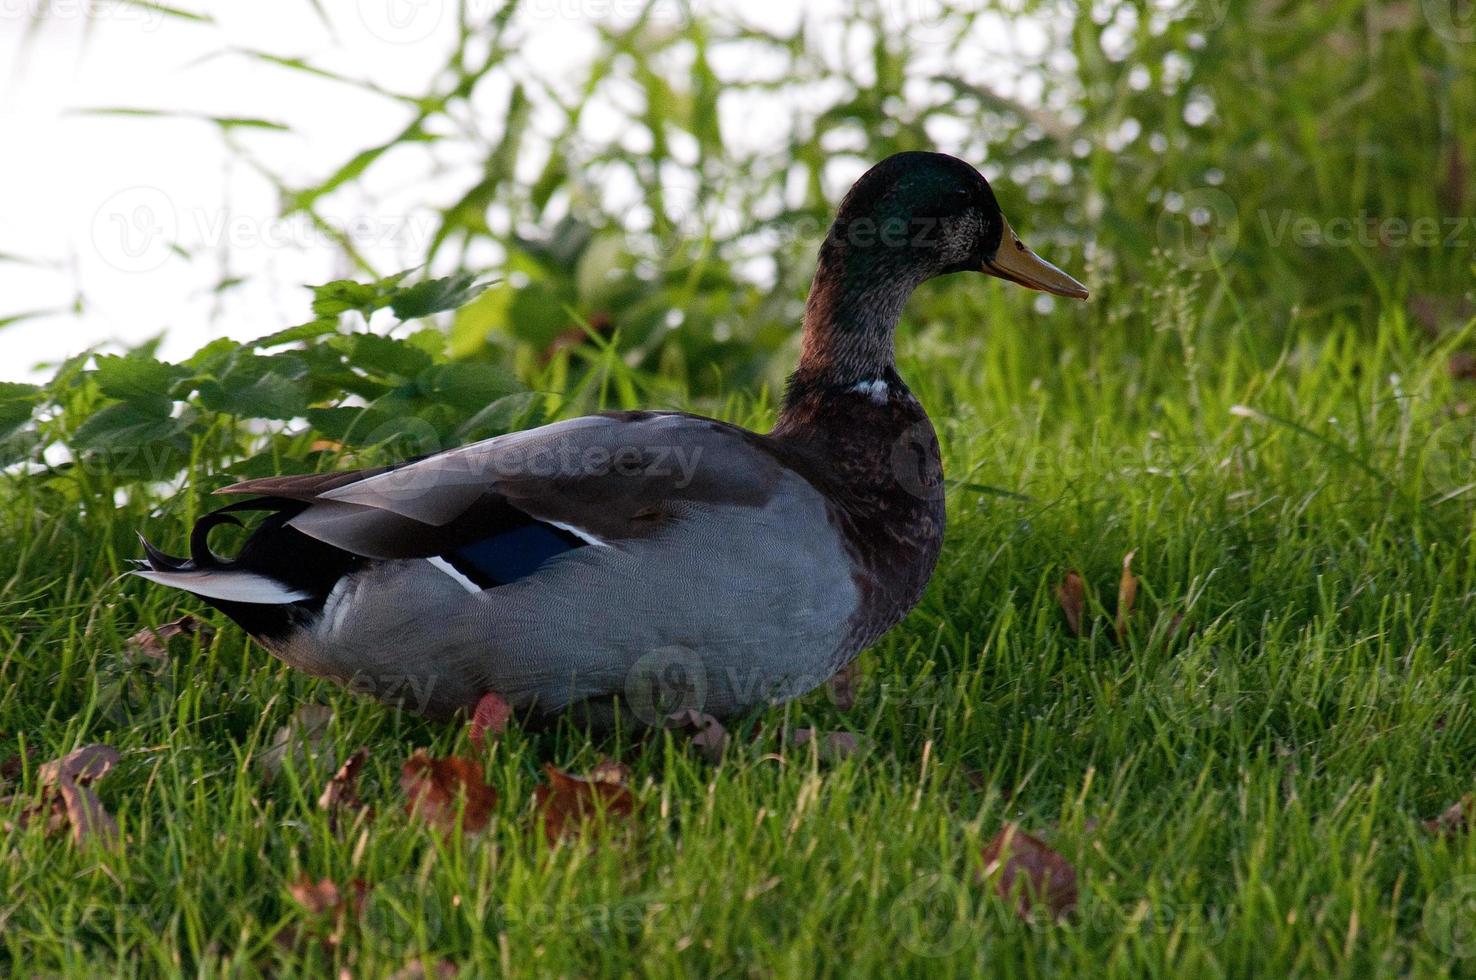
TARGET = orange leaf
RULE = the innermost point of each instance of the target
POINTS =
(1020, 861)
(1127, 592)
(567, 801)
(435, 785)
(1071, 594)
(490, 715)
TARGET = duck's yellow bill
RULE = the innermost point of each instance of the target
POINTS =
(1016, 263)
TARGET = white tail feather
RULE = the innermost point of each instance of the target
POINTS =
(229, 585)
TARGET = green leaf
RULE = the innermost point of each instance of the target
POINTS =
(436, 295)
(469, 387)
(386, 355)
(125, 425)
(140, 380)
(303, 331)
(340, 296)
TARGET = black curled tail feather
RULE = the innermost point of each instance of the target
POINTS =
(274, 551)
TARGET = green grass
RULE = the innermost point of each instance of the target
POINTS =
(1241, 796)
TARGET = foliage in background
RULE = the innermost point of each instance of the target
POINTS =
(1280, 152)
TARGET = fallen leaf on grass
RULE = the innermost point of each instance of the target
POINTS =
(1453, 819)
(1071, 594)
(610, 771)
(489, 717)
(843, 686)
(324, 899)
(341, 795)
(1127, 593)
(434, 787)
(89, 763)
(831, 746)
(66, 799)
(710, 737)
(153, 641)
(304, 738)
(1022, 865)
(567, 802)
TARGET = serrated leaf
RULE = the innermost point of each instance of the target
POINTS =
(138, 379)
(386, 355)
(470, 387)
(436, 295)
(332, 299)
(303, 331)
(125, 425)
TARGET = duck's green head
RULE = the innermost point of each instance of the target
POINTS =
(918, 215)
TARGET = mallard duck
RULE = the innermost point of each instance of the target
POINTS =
(572, 565)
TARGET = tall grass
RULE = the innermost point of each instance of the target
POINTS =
(1270, 419)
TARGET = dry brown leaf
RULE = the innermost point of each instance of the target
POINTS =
(1454, 819)
(830, 746)
(153, 641)
(1127, 594)
(82, 766)
(85, 812)
(843, 686)
(1071, 594)
(434, 787)
(341, 795)
(316, 897)
(567, 802)
(608, 770)
(66, 799)
(710, 737)
(489, 717)
(1021, 864)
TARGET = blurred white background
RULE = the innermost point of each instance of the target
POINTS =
(152, 214)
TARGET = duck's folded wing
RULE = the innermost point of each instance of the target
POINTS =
(601, 479)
